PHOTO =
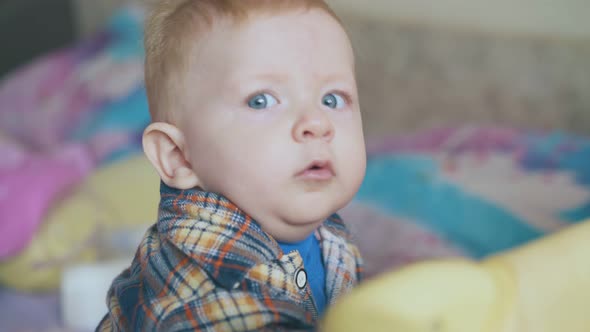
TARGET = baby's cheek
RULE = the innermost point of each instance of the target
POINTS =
(354, 163)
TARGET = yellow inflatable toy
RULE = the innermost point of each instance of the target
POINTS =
(114, 204)
(543, 286)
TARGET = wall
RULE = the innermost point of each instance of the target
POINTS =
(31, 28)
(562, 19)
(92, 13)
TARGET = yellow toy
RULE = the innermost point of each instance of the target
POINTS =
(543, 286)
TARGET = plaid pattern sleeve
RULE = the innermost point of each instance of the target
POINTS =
(206, 266)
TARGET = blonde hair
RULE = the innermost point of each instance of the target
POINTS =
(170, 31)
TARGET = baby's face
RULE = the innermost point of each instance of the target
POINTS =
(273, 121)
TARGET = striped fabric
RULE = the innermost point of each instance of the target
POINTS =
(207, 266)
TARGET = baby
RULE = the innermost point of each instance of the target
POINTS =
(258, 141)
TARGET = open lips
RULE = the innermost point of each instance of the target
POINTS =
(318, 170)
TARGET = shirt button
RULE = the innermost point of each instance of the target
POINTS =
(301, 278)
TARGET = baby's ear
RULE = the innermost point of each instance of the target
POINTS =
(165, 147)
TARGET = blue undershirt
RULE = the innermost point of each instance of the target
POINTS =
(311, 253)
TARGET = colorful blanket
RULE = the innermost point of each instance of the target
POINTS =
(483, 190)
(64, 115)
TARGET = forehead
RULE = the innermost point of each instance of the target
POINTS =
(304, 40)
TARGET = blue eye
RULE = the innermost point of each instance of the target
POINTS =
(333, 100)
(262, 101)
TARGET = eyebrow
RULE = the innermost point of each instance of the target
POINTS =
(280, 79)
(237, 81)
(271, 77)
(337, 78)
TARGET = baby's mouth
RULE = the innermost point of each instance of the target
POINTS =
(318, 170)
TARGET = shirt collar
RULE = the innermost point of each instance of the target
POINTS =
(224, 240)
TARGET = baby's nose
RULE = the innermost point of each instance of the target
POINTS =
(313, 125)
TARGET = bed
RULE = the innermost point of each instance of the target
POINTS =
(475, 146)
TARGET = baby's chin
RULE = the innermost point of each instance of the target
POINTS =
(298, 222)
(311, 213)
(293, 234)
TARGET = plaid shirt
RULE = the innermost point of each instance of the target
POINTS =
(207, 266)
